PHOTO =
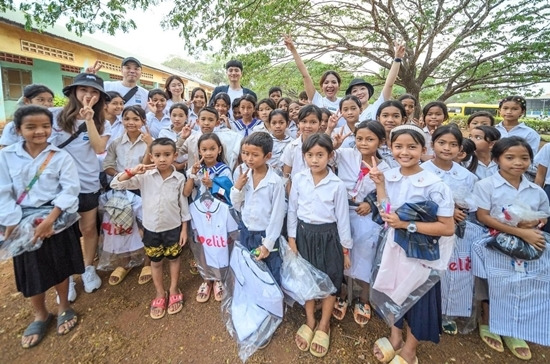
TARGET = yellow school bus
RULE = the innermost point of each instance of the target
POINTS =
(468, 108)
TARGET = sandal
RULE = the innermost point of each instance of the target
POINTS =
(513, 344)
(145, 276)
(203, 294)
(340, 308)
(173, 300)
(193, 267)
(305, 333)
(484, 334)
(449, 327)
(119, 273)
(218, 291)
(158, 303)
(322, 339)
(361, 310)
(398, 359)
(37, 328)
(386, 349)
(65, 317)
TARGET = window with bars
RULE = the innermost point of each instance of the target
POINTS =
(13, 82)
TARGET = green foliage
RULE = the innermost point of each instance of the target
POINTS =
(540, 126)
(59, 101)
(208, 71)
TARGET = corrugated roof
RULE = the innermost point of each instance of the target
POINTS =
(18, 18)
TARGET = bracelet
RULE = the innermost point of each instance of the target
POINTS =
(129, 172)
(346, 252)
(397, 59)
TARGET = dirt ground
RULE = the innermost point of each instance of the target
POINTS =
(114, 327)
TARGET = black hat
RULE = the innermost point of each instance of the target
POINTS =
(86, 79)
(360, 81)
(131, 59)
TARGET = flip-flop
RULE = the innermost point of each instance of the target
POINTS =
(513, 344)
(398, 359)
(158, 303)
(174, 299)
(193, 267)
(119, 273)
(386, 349)
(484, 333)
(450, 328)
(305, 333)
(204, 289)
(322, 339)
(145, 275)
(218, 291)
(361, 309)
(65, 317)
(37, 328)
(341, 306)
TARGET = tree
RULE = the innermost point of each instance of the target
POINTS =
(462, 45)
(209, 71)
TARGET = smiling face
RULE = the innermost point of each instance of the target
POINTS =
(330, 87)
(390, 117)
(350, 111)
(361, 92)
(85, 94)
(407, 152)
(159, 101)
(221, 107)
(367, 142)
(234, 74)
(446, 147)
(514, 162)
(293, 110)
(132, 122)
(309, 125)
(199, 100)
(209, 150)
(178, 119)
(114, 107)
(176, 88)
(131, 73)
(36, 129)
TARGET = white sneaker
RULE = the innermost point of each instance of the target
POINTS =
(91, 280)
(72, 291)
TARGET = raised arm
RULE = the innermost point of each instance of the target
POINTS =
(308, 82)
(394, 70)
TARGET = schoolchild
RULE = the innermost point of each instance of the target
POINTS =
(324, 120)
(165, 220)
(410, 103)
(247, 122)
(275, 93)
(294, 108)
(480, 118)
(515, 305)
(236, 109)
(434, 114)
(511, 109)
(409, 183)
(542, 162)
(485, 138)
(319, 229)
(263, 108)
(284, 103)
(198, 101)
(350, 109)
(390, 114)
(467, 156)
(278, 123)
(114, 104)
(157, 119)
(85, 108)
(56, 186)
(222, 104)
(178, 116)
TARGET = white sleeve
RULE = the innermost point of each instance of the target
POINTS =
(10, 213)
(133, 183)
(317, 99)
(341, 209)
(277, 217)
(292, 216)
(543, 156)
(482, 194)
(67, 200)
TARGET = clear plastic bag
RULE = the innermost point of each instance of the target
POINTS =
(514, 213)
(301, 281)
(20, 240)
(252, 308)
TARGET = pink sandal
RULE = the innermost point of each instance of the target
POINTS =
(158, 303)
(173, 300)
(218, 291)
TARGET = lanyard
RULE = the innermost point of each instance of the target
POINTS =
(362, 173)
(35, 178)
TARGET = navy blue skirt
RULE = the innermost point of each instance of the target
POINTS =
(320, 245)
(59, 257)
(252, 240)
(424, 318)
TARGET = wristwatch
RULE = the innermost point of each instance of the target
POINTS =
(411, 228)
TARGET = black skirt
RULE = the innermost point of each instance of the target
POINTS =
(320, 245)
(59, 257)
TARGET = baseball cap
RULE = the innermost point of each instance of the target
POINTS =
(131, 59)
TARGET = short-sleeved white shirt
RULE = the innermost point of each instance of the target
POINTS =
(521, 130)
(370, 112)
(543, 158)
(321, 101)
(140, 98)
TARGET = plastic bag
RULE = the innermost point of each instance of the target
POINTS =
(252, 308)
(514, 213)
(399, 282)
(300, 280)
(20, 240)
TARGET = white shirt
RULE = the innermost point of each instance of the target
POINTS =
(140, 98)
(293, 157)
(278, 148)
(370, 112)
(245, 130)
(428, 138)
(321, 101)
(292, 130)
(57, 183)
(521, 130)
(459, 179)
(326, 202)
(349, 142)
(122, 153)
(483, 171)
(262, 208)
(543, 158)
(163, 201)
(155, 125)
(117, 129)
(9, 135)
(82, 152)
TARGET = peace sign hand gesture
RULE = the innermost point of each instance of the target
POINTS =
(375, 174)
(95, 68)
(287, 39)
(142, 168)
(86, 112)
(332, 122)
(186, 130)
(339, 138)
(197, 166)
(242, 180)
(152, 106)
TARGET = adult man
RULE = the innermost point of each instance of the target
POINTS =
(128, 88)
(234, 70)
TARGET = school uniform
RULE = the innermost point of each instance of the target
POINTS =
(123, 153)
(84, 157)
(171, 134)
(518, 291)
(370, 112)
(218, 170)
(277, 153)
(166, 209)
(387, 155)
(263, 211)
(192, 118)
(231, 142)
(318, 218)
(9, 135)
(484, 171)
(364, 231)
(543, 158)
(140, 98)
(457, 285)
(292, 130)
(398, 275)
(349, 142)
(521, 130)
(428, 139)
(293, 157)
(60, 255)
(117, 130)
(156, 125)
(245, 129)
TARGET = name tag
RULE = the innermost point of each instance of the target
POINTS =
(519, 265)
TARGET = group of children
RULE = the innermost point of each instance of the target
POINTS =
(330, 174)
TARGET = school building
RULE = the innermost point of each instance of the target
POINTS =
(538, 106)
(55, 56)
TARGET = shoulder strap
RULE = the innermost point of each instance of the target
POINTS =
(130, 94)
(81, 128)
(35, 178)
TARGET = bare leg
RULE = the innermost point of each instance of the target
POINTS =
(396, 340)
(324, 324)
(64, 304)
(310, 322)
(40, 314)
(156, 271)
(174, 278)
(88, 228)
(408, 352)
